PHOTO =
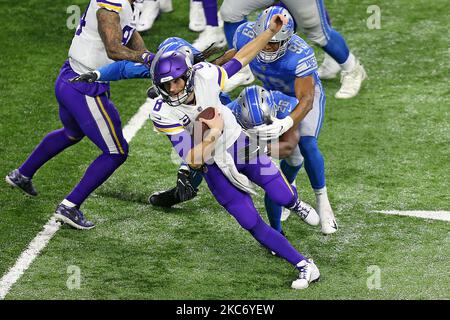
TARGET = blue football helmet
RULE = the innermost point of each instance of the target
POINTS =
(255, 106)
(282, 37)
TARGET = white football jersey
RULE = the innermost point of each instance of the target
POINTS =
(87, 51)
(208, 82)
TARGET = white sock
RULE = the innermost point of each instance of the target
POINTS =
(322, 197)
(350, 63)
(69, 204)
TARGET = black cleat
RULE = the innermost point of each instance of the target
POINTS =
(73, 217)
(18, 180)
(164, 199)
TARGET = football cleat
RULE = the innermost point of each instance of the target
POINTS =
(306, 213)
(242, 78)
(351, 82)
(165, 6)
(18, 180)
(73, 217)
(308, 273)
(329, 69)
(165, 199)
(197, 19)
(149, 13)
(213, 37)
(327, 220)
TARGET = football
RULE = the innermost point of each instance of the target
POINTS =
(200, 128)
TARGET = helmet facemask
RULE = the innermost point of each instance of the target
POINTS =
(170, 66)
(271, 56)
(181, 96)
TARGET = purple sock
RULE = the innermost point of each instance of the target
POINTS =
(275, 241)
(52, 144)
(210, 9)
(97, 173)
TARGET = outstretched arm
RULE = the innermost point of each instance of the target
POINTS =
(115, 71)
(248, 52)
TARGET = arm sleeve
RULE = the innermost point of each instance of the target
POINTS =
(232, 67)
(123, 70)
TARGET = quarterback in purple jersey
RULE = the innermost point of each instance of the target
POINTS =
(187, 90)
(106, 32)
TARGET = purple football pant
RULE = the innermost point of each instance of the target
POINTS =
(84, 110)
(240, 205)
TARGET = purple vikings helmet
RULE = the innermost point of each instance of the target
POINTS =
(282, 37)
(168, 66)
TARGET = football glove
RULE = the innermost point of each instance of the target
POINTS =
(88, 77)
(152, 93)
(184, 190)
(272, 131)
(147, 58)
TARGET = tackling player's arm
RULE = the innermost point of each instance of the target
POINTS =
(111, 34)
(227, 56)
(285, 145)
(304, 91)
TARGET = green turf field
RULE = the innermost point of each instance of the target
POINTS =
(386, 149)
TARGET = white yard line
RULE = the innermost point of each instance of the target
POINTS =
(436, 215)
(41, 240)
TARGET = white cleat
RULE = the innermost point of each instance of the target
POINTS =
(209, 36)
(351, 82)
(308, 273)
(327, 221)
(242, 78)
(285, 213)
(149, 13)
(197, 19)
(165, 6)
(329, 69)
(306, 213)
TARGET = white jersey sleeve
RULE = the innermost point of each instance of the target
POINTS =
(165, 119)
(87, 51)
(211, 76)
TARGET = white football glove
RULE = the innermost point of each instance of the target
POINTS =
(272, 131)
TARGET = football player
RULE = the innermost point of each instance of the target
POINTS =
(106, 32)
(288, 65)
(256, 106)
(312, 20)
(186, 90)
